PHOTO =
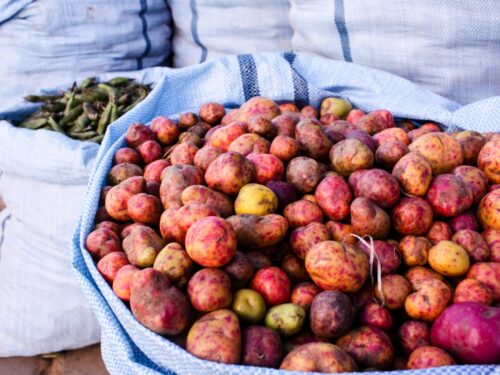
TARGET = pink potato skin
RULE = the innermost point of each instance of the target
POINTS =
(487, 211)
(267, 167)
(258, 106)
(388, 154)
(202, 194)
(304, 238)
(273, 284)
(210, 289)
(285, 124)
(387, 253)
(466, 220)
(489, 274)
(157, 305)
(332, 314)
(413, 335)
(174, 180)
(439, 231)
(255, 231)
(474, 245)
(474, 178)
(240, 270)
(150, 151)
(229, 172)
(110, 225)
(137, 134)
(412, 216)
(429, 356)
(127, 155)
(250, 143)
(303, 294)
(212, 113)
(391, 135)
(377, 185)
(261, 126)
(334, 197)
(261, 346)
(211, 242)
(183, 153)
(492, 239)
(303, 173)
(225, 135)
(472, 290)
(165, 130)
(369, 219)
(118, 196)
(376, 315)
(312, 139)
(123, 280)
(302, 213)
(144, 208)
(284, 148)
(449, 195)
(101, 242)
(110, 264)
(152, 171)
(371, 123)
(205, 155)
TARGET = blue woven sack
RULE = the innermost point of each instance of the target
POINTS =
(130, 348)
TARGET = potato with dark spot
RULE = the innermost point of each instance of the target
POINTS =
(429, 356)
(472, 290)
(216, 337)
(211, 242)
(489, 274)
(488, 210)
(413, 335)
(284, 148)
(267, 167)
(377, 185)
(240, 270)
(101, 242)
(123, 281)
(312, 139)
(303, 295)
(157, 305)
(386, 253)
(165, 130)
(412, 215)
(471, 143)
(304, 238)
(142, 246)
(121, 172)
(250, 143)
(174, 262)
(206, 155)
(229, 173)
(332, 314)
(259, 231)
(210, 289)
(334, 197)
(369, 219)
(109, 265)
(369, 346)
(388, 154)
(473, 244)
(144, 208)
(395, 289)
(318, 357)
(489, 161)
(375, 315)
(414, 250)
(174, 180)
(429, 301)
(285, 124)
(224, 136)
(258, 260)
(261, 347)
(337, 266)
(153, 171)
(183, 153)
(448, 195)
(258, 106)
(441, 151)
(341, 232)
(303, 173)
(118, 196)
(302, 213)
(350, 155)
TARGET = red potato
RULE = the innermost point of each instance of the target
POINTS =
(391, 135)
(288, 107)
(334, 197)
(302, 213)
(328, 118)
(488, 209)
(118, 196)
(417, 273)
(144, 208)
(127, 155)
(489, 274)
(414, 250)
(273, 284)
(165, 130)
(142, 246)
(101, 242)
(386, 253)
(448, 195)
(471, 143)
(341, 126)
(354, 115)
(466, 220)
(267, 167)
(304, 238)
(174, 262)
(375, 315)
(150, 151)
(488, 161)
(127, 228)
(303, 295)
(229, 172)
(187, 120)
(121, 172)
(203, 195)
(441, 151)
(474, 178)
(212, 113)
(331, 315)
(429, 301)
(258, 260)
(424, 129)
(413, 335)
(371, 124)
(157, 305)
(110, 225)
(261, 126)
(153, 171)
(212, 130)
(333, 134)
(224, 136)
(183, 153)
(255, 231)
(473, 243)
(385, 116)
(337, 266)
(294, 268)
(412, 215)
(429, 356)
(311, 139)
(210, 289)
(341, 232)
(211, 242)
(206, 155)
(137, 134)
(190, 136)
(393, 291)
(261, 347)
(284, 191)
(240, 270)
(376, 185)
(350, 155)
(364, 137)
(174, 180)
(439, 231)
(285, 124)
(109, 265)
(388, 154)
(369, 219)
(250, 143)
(369, 346)
(318, 357)
(123, 281)
(258, 106)
(471, 290)
(309, 112)
(284, 148)
(303, 173)
(492, 239)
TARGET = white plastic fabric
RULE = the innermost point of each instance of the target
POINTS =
(43, 180)
(207, 29)
(46, 43)
(451, 47)
(130, 348)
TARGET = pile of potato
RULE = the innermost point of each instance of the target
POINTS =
(281, 237)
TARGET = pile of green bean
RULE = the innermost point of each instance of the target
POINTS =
(85, 111)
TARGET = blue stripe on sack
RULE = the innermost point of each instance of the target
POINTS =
(300, 89)
(249, 77)
(341, 28)
(194, 31)
(142, 15)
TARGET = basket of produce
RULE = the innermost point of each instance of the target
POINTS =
(268, 216)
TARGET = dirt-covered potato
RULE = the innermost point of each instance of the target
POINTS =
(318, 357)
(369, 219)
(472, 290)
(259, 231)
(448, 195)
(302, 213)
(414, 250)
(337, 266)
(489, 161)
(229, 172)
(120, 172)
(351, 155)
(334, 196)
(371, 123)
(332, 314)
(429, 356)
(312, 139)
(304, 238)
(392, 291)
(412, 215)
(449, 259)
(441, 151)
(142, 246)
(250, 143)
(413, 335)
(174, 180)
(203, 195)
(414, 174)
(429, 301)
(294, 267)
(303, 173)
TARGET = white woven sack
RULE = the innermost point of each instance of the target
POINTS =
(451, 47)
(207, 29)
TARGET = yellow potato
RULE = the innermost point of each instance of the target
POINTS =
(255, 199)
(449, 259)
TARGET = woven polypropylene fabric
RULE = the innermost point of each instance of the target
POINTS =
(129, 347)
